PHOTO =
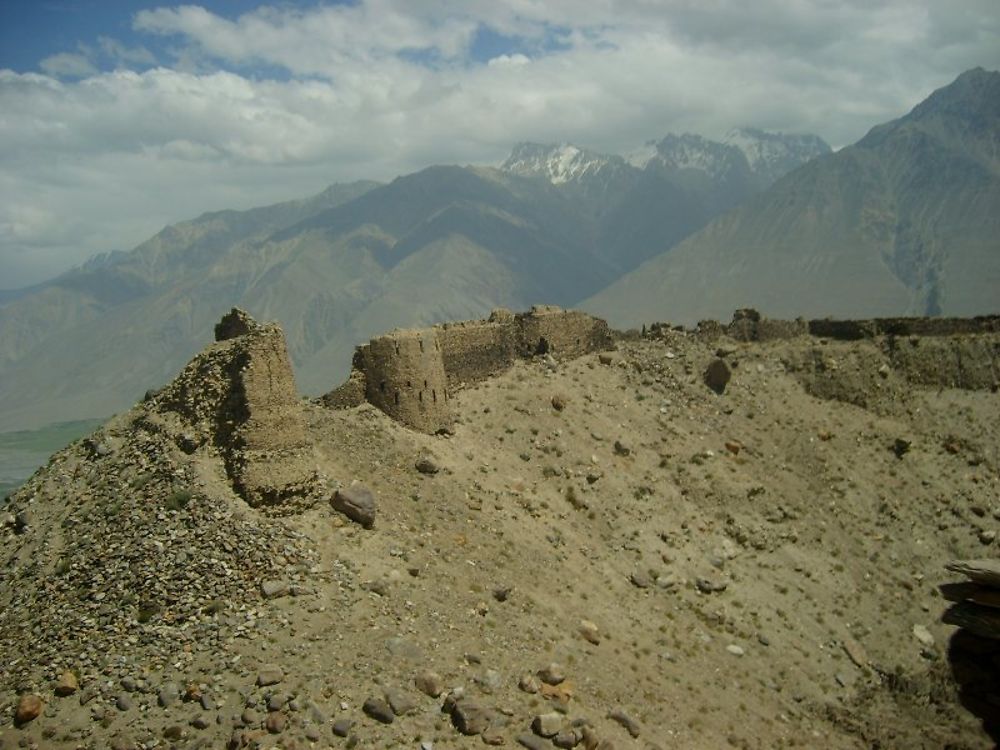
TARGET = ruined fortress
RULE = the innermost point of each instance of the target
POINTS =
(238, 396)
(749, 325)
(411, 374)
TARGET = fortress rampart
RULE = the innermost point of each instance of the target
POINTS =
(850, 330)
(749, 325)
(404, 377)
(411, 374)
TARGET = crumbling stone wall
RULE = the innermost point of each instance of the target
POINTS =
(352, 392)
(410, 374)
(562, 333)
(750, 325)
(404, 377)
(472, 351)
(852, 330)
(235, 323)
(239, 396)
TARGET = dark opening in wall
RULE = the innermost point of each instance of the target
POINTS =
(425, 384)
(420, 396)
(409, 384)
(397, 347)
(543, 346)
(381, 386)
(434, 395)
(421, 341)
(397, 398)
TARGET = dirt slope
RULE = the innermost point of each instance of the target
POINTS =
(744, 569)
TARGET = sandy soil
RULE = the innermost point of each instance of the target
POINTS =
(744, 569)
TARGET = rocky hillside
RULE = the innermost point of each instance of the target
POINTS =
(699, 539)
(903, 222)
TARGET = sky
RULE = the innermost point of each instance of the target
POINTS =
(118, 118)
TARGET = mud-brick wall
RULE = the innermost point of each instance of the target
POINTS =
(239, 395)
(269, 459)
(274, 419)
(850, 330)
(766, 329)
(474, 351)
(404, 377)
(410, 374)
(561, 333)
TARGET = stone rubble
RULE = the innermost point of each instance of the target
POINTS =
(784, 551)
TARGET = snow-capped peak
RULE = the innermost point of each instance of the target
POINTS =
(744, 154)
(558, 164)
(695, 152)
(773, 154)
(640, 157)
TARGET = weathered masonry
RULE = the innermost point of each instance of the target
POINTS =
(239, 396)
(410, 374)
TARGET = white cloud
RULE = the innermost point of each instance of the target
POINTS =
(317, 41)
(511, 61)
(68, 64)
(122, 54)
(281, 101)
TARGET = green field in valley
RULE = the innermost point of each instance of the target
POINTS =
(22, 452)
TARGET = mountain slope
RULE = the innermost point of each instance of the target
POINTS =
(554, 225)
(656, 198)
(906, 221)
(442, 243)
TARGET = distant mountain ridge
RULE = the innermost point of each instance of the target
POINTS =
(561, 163)
(553, 224)
(651, 199)
(766, 156)
(906, 221)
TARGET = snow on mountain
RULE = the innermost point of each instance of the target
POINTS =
(689, 151)
(559, 164)
(640, 157)
(771, 155)
(747, 153)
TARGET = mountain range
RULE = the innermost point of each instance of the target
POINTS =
(683, 228)
(553, 224)
(905, 221)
